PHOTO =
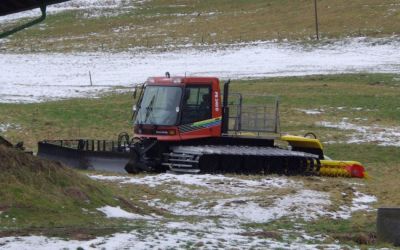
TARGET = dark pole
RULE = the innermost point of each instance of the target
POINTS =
(316, 19)
(225, 109)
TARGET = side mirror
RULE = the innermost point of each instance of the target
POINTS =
(134, 111)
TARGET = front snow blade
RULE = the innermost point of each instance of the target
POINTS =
(97, 155)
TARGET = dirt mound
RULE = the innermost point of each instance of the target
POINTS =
(11, 159)
(32, 184)
(18, 168)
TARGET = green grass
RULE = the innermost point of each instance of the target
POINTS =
(86, 118)
(166, 22)
(358, 231)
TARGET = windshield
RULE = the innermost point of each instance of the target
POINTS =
(159, 105)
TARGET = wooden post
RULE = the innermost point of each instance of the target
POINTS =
(90, 78)
(316, 19)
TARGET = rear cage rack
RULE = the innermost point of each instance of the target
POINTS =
(251, 118)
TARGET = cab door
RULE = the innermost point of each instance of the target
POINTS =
(197, 117)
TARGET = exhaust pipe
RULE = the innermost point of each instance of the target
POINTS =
(225, 108)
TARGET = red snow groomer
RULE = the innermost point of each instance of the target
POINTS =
(186, 125)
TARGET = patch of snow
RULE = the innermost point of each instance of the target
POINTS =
(383, 136)
(87, 5)
(229, 185)
(41, 77)
(6, 126)
(306, 205)
(311, 111)
(175, 235)
(360, 119)
(165, 238)
(363, 198)
(362, 202)
(245, 207)
(109, 178)
(117, 212)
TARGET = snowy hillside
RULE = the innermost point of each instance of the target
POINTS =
(216, 211)
(41, 77)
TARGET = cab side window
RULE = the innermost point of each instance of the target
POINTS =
(196, 104)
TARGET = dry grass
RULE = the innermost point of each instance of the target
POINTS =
(166, 22)
(384, 183)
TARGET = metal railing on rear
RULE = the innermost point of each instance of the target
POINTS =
(92, 145)
(258, 118)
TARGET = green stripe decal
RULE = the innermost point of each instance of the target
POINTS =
(200, 125)
(205, 122)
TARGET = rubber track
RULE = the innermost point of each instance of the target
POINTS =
(241, 160)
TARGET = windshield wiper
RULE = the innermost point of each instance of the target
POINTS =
(149, 109)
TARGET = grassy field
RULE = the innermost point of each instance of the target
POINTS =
(363, 100)
(169, 23)
(366, 100)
